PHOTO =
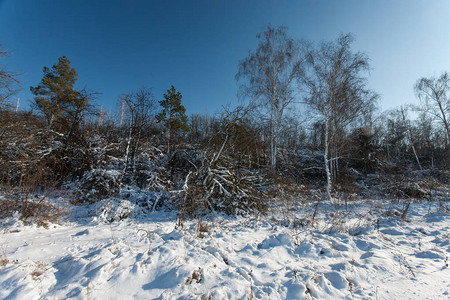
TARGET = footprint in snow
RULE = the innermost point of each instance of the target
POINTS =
(440, 242)
(336, 280)
(366, 255)
(84, 232)
(391, 231)
(338, 267)
(339, 246)
(262, 266)
(295, 290)
(429, 255)
(365, 246)
(174, 235)
(74, 293)
(305, 249)
(282, 239)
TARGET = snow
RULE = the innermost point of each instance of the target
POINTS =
(362, 253)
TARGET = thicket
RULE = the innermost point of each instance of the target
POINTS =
(238, 162)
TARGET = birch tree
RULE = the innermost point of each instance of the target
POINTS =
(410, 136)
(435, 93)
(337, 93)
(268, 76)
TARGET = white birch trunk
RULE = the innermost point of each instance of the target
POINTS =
(127, 152)
(273, 159)
(411, 139)
(122, 111)
(326, 158)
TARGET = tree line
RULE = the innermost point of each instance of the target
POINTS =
(302, 100)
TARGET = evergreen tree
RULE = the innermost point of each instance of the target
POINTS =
(173, 115)
(56, 97)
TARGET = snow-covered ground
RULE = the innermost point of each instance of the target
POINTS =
(363, 253)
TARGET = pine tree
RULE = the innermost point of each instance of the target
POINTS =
(56, 97)
(173, 115)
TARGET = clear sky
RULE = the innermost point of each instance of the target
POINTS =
(196, 45)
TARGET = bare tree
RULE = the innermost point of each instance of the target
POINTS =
(392, 135)
(435, 94)
(336, 91)
(410, 136)
(138, 107)
(77, 113)
(269, 75)
(8, 82)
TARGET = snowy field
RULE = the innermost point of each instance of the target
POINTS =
(355, 253)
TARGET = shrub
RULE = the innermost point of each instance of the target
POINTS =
(225, 188)
(99, 184)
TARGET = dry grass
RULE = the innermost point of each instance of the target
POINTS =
(31, 209)
(202, 228)
(3, 260)
(38, 270)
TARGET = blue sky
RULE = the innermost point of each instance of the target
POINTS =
(119, 46)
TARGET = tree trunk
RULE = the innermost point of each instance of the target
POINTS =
(446, 125)
(130, 133)
(273, 159)
(136, 147)
(168, 140)
(326, 159)
(411, 139)
(72, 125)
